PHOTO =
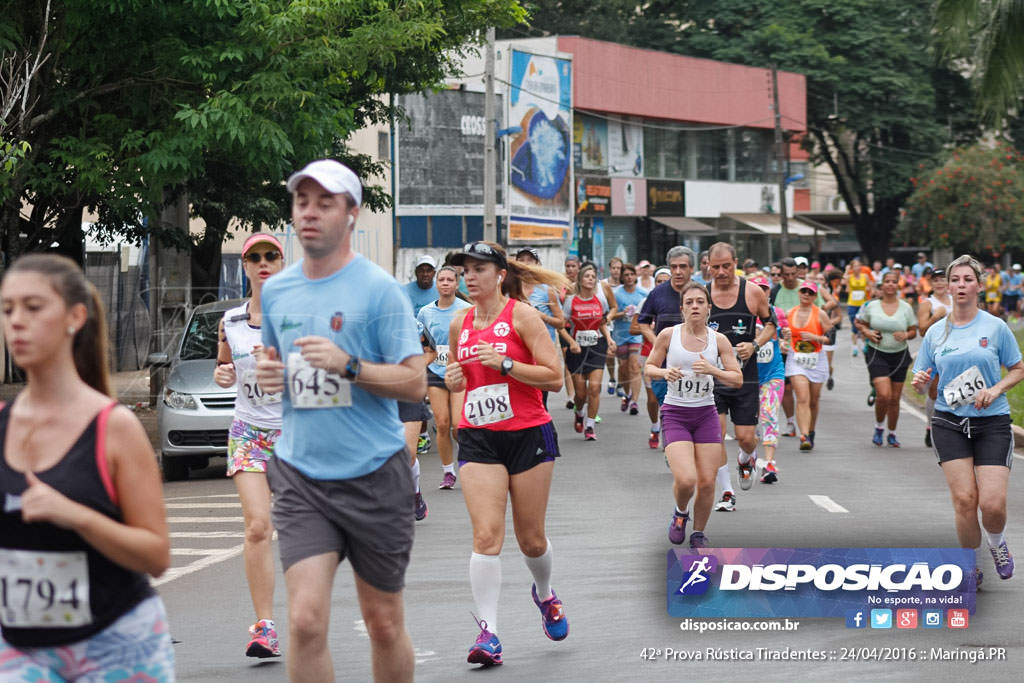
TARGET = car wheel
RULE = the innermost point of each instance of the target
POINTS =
(175, 469)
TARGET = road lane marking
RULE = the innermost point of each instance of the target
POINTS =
(204, 496)
(906, 407)
(208, 561)
(827, 503)
(207, 534)
(205, 520)
(201, 506)
(196, 551)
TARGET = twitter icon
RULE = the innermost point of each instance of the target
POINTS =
(881, 618)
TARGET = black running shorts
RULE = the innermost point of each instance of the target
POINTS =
(517, 450)
(989, 440)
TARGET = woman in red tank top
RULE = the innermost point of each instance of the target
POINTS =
(503, 359)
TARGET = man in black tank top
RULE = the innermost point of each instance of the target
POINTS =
(735, 308)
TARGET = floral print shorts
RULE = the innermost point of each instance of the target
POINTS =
(249, 447)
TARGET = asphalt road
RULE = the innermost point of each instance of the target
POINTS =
(607, 519)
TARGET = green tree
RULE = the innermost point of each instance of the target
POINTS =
(972, 202)
(876, 103)
(134, 103)
(989, 36)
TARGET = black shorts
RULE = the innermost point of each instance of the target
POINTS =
(434, 380)
(413, 412)
(893, 365)
(589, 358)
(989, 440)
(741, 404)
(518, 451)
(1010, 302)
(830, 336)
(368, 519)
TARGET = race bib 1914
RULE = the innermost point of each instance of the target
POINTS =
(692, 386)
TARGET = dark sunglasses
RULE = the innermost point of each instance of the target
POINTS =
(256, 257)
(808, 291)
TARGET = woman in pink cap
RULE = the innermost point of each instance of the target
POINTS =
(254, 431)
(807, 363)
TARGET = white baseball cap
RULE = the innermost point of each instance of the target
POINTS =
(333, 176)
(1016, 266)
(425, 260)
(801, 261)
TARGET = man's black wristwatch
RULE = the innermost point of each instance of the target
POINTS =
(352, 368)
(506, 366)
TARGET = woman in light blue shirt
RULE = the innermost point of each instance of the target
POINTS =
(971, 427)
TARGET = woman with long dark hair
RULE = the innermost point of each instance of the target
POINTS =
(84, 521)
(503, 358)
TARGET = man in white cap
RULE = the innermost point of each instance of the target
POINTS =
(341, 480)
(422, 290)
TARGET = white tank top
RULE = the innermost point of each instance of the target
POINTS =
(692, 390)
(252, 405)
(936, 304)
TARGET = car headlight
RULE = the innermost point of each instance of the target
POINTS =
(179, 401)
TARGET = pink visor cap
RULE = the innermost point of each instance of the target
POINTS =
(335, 177)
(261, 238)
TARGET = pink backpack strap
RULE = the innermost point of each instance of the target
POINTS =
(102, 466)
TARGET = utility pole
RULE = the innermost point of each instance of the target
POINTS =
(490, 138)
(780, 162)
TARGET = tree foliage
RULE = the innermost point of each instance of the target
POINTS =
(136, 102)
(987, 37)
(876, 102)
(972, 202)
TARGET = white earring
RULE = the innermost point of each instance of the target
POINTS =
(72, 330)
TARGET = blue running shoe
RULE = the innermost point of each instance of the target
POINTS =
(487, 648)
(556, 626)
(1003, 559)
(877, 438)
(698, 540)
(611, 387)
(893, 441)
(978, 577)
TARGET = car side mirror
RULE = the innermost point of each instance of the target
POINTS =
(158, 360)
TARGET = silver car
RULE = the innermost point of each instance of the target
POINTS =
(193, 412)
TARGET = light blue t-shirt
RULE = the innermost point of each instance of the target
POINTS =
(436, 321)
(419, 297)
(540, 299)
(620, 326)
(1013, 283)
(986, 342)
(361, 309)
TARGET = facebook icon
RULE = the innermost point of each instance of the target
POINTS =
(856, 619)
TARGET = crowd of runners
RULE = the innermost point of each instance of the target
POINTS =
(340, 370)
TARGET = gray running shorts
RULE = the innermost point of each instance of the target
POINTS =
(369, 519)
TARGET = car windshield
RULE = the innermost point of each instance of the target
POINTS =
(200, 340)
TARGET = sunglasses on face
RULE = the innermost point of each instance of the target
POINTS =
(807, 291)
(256, 257)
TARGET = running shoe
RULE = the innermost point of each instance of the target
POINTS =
(978, 576)
(624, 406)
(633, 408)
(677, 527)
(577, 423)
(611, 388)
(589, 435)
(569, 405)
(791, 431)
(877, 438)
(893, 441)
(620, 392)
(487, 648)
(871, 398)
(928, 437)
(853, 352)
(1003, 559)
(423, 444)
(698, 540)
(805, 443)
(556, 626)
(597, 419)
(810, 437)
(421, 507)
(448, 483)
(771, 474)
(746, 475)
(654, 440)
(263, 641)
(727, 504)
(830, 384)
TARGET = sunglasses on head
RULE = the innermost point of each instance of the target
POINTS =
(256, 257)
